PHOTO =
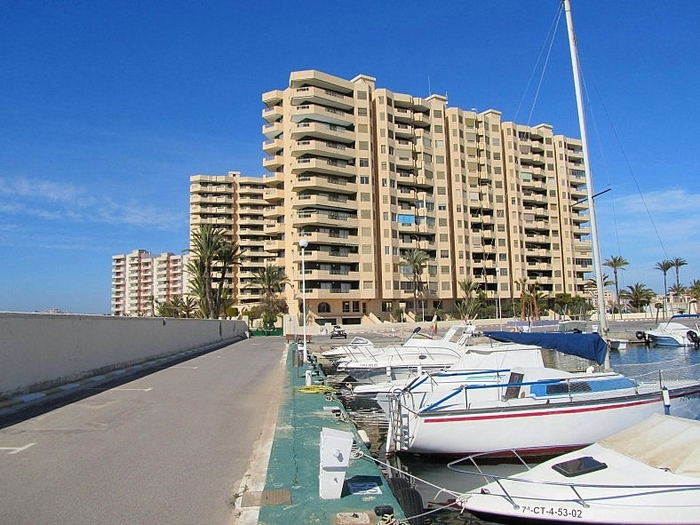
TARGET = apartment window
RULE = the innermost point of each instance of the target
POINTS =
(364, 163)
(362, 112)
(361, 95)
(362, 128)
(365, 197)
(367, 285)
(364, 145)
(346, 307)
(324, 308)
(364, 180)
(444, 254)
(445, 270)
(356, 306)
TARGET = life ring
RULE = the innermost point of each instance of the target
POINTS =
(640, 335)
(693, 337)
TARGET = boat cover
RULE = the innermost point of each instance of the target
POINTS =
(588, 346)
(665, 442)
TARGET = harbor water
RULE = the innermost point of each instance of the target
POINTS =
(438, 485)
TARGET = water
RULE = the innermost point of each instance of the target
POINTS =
(432, 475)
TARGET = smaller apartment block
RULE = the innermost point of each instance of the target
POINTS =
(141, 281)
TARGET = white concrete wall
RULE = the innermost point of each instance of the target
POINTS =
(42, 350)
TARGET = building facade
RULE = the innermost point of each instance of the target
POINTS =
(141, 281)
(365, 174)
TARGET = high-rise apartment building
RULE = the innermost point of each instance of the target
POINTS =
(234, 204)
(365, 174)
(141, 281)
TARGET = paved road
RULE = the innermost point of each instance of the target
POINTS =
(168, 448)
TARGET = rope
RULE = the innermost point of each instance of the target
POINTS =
(315, 389)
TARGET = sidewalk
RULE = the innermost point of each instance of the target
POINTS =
(283, 486)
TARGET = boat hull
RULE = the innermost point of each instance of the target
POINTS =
(534, 430)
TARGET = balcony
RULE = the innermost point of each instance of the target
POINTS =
(272, 114)
(326, 97)
(274, 245)
(325, 218)
(323, 131)
(272, 147)
(323, 148)
(341, 239)
(272, 131)
(325, 166)
(272, 98)
(325, 201)
(273, 195)
(273, 163)
(324, 114)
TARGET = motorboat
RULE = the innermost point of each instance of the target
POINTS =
(536, 411)
(378, 364)
(675, 332)
(646, 474)
(485, 361)
(361, 347)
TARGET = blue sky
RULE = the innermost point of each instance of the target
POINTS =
(108, 108)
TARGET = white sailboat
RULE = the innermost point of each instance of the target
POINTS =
(538, 411)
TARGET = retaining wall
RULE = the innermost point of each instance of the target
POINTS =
(43, 350)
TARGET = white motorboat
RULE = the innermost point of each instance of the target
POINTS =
(536, 411)
(361, 347)
(367, 364)
(647, 474)
(675, 332)
(480, 362)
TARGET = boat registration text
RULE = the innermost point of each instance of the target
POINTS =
(561, 512)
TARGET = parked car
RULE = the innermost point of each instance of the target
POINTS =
(337, 331)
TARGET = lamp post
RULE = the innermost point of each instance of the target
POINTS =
(498, 298)
(303, 243)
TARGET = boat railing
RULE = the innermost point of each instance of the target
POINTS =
(560, 390)
(663, 373)
(575, 487)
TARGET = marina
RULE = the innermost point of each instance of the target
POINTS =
(438, 485)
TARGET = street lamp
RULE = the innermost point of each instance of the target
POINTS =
(303, 243)
(498, 298)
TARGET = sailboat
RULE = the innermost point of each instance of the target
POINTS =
(537, 411)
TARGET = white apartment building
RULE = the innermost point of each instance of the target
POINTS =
(141, 281)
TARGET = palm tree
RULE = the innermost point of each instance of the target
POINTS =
(677, 263)
(271, 281)
(694, 292)
(616, 262)
(638, 296)
(416, 260)
(469, 306)
(664, 266)
(212, 257)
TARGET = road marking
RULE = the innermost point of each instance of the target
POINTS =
(133, 389)
(15, 450)
(186, 367)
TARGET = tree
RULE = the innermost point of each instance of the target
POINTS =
(212, 256)
(638, 296)
(677, 263)
(664, 266)
(616, 262)
(470, 305)
(271, 281)
(416, 260)
(694, 292)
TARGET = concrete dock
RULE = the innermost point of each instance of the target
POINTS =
(283, 483)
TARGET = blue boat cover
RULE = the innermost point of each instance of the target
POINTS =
(588, 346)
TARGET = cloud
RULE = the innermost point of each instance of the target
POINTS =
(47, 200)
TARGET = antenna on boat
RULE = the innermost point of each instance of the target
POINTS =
(603, 325)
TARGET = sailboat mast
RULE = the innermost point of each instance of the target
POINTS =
(603, 326)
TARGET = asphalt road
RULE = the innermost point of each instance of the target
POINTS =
(168, 448)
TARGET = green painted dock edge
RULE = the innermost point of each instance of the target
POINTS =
(291, 493)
